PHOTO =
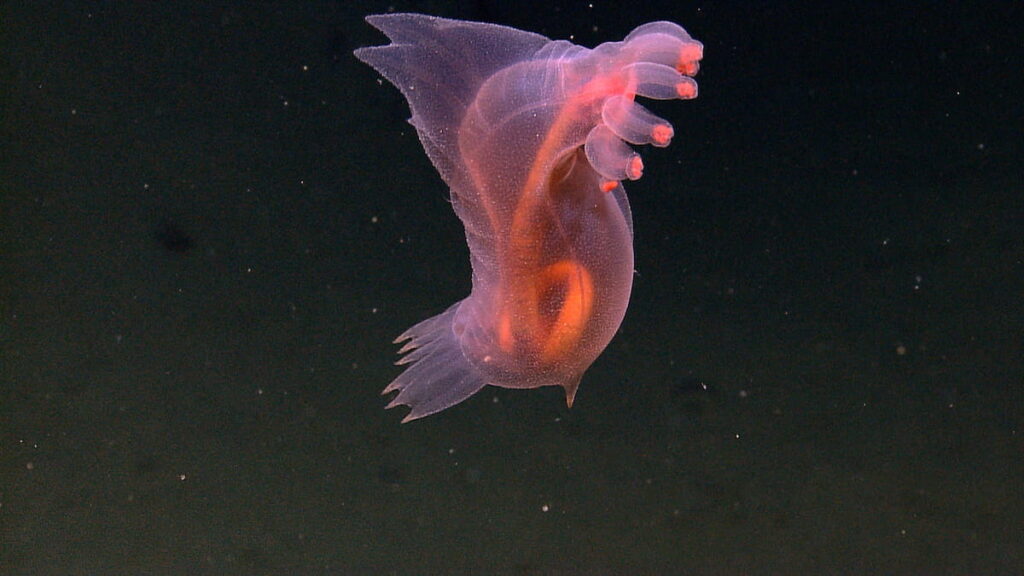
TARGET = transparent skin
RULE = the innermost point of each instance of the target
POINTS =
(530, 136)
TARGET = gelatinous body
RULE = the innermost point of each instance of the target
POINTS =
(532, 137)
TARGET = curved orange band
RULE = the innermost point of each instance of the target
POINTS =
(567, 328)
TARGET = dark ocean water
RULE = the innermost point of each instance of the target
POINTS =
(214, 220)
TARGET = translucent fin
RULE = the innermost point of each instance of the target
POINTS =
(439, 64)
(438, 375)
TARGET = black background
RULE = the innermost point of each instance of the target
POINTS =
(213, 221)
